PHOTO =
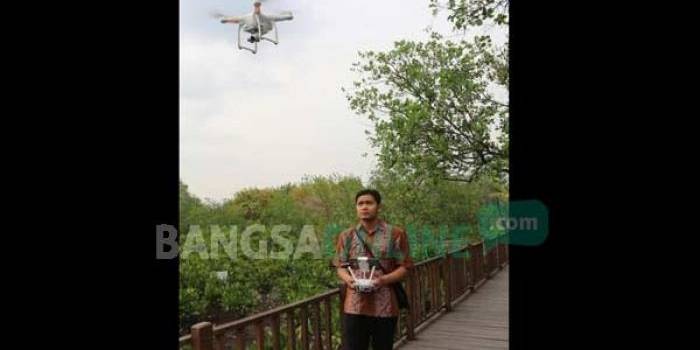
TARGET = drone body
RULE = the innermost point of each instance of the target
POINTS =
(257, 25)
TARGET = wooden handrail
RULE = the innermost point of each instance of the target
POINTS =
(262, 315)
(432, 286)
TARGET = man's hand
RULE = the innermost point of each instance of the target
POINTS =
(379, 281)
(345, 277)
(350, 282)
(386, 280)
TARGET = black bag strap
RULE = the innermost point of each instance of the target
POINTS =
(368, 250)
(401, 297)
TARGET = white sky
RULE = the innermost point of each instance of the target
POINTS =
(268, 119)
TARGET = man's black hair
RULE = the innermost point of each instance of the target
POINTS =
(373, 193)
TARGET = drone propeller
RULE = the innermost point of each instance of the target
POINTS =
(288, 8)
(281, 15)
(216, 15)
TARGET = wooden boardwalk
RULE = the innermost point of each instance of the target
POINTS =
(478, 322)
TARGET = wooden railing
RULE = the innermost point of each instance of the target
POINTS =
(305, 324)
(433, 287)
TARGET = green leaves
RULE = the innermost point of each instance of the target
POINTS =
(432, 109)
(327, 203)
(432, 103)
(441, 137)
(257, 285)
(465, 13)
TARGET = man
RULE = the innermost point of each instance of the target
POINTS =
(371, 316)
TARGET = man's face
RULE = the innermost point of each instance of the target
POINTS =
(257, 7)
(367, 208)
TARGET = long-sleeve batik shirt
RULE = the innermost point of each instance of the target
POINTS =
(389, 244)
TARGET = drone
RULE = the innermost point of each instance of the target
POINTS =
(257, 24)
(363, 284)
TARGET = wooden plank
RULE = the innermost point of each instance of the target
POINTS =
(397, 329)
(341, 309)
(420, 292)
(450, 341)
(448, 283)
(410, 314)
(316, 323)
(474, 343)
(260, 335)
(465, 332)
(465, 281)
(203, 336)
(456, 272)
(328, 323)
(263, 315)
(291, 334)
(220, 342)
(275, 325)
(240, 338)
(446, 345)
(480, 322)
(434, 286)
(455, 336)
(304, 319)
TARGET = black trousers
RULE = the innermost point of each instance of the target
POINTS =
(358, 329)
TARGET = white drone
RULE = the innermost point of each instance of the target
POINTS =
(257, 25)
(363, 284)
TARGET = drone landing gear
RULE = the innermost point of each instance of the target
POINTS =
(256, 39)
(250, 40)
(274, 28)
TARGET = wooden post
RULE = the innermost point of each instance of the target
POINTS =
(316, 322)
(329, 325)
(465, 281)
(240, 338)
(448, 282)
(260, 335)
(470, 271)
(415, 292)
(495, 258)
(480, 261)
(472, 268)
(341, 309)
(291, 334)
(397, 328)
(304, 319)
(202, 336)
(498, 255)
(487, 258)
(434, 275)
(477, 256)
(276, 332)
(460, 275)
(219, 342)
(412, 305)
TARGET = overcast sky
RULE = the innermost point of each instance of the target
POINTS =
(268, 119)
